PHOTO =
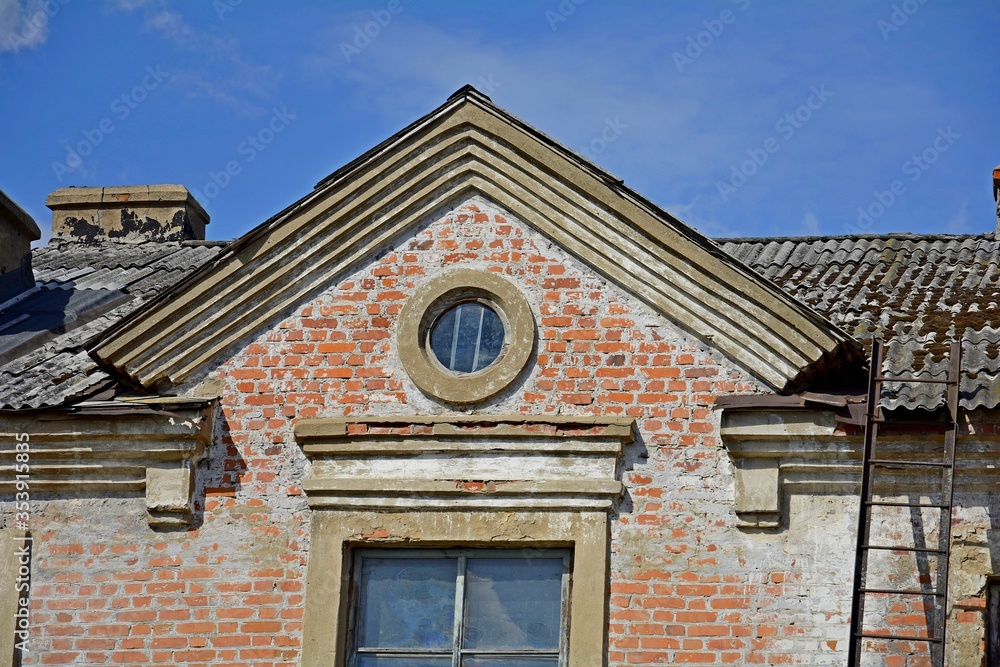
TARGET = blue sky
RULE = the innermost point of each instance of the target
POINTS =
(740, 117)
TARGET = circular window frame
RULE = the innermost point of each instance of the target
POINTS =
(436, 296)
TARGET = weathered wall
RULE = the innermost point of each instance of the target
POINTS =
(686, 584)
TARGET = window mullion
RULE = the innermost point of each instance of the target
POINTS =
(456, 655)
(564, 614)
(479, 340)
(454, 337)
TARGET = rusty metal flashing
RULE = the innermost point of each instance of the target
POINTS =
(469, 146)
(804, 400)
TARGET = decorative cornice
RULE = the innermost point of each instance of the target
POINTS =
(111, 447)
(482, 463)
(777, 451)
(468, 147)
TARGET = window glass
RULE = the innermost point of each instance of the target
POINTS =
(509, 662)
(409, 602)
(481, 608)
(513, 603)
(467, 337)
(376, 661)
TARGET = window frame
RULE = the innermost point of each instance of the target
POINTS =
(436, 296)
(462, 556)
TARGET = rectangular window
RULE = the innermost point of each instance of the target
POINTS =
(459, 608)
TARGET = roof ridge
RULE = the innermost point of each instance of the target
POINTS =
(906, 236)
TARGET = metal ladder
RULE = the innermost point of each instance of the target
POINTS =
(936, 589)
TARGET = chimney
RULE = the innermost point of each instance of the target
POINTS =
(996, 198)
(127, 214)
(17, 231)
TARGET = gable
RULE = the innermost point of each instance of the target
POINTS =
(594, 347)
(466, 147)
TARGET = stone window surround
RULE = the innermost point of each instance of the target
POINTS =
(444, 291)
(568, 480)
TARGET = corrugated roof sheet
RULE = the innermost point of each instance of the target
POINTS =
(81, 289)
(916, 292)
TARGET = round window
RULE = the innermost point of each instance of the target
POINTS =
(467, 337)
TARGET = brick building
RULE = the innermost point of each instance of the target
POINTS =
(473, 401)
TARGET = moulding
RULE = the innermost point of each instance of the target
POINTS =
(482, 462)
(465, 148)
(111, 447)
(787, 451)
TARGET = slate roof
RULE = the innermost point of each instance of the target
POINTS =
(81, 289)
(918, 292)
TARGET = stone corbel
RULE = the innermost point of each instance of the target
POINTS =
(169, 492)
(772, 450)
(775, 452)
(758, 493)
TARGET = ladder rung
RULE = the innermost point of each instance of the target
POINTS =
(901, 462)
(905, 591)
(914, 380)
(883, 503)
(890, 547)
(873, 635)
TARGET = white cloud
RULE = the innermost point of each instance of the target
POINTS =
(24, 24)
(225, 75)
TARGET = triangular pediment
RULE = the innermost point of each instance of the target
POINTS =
(467, 147)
